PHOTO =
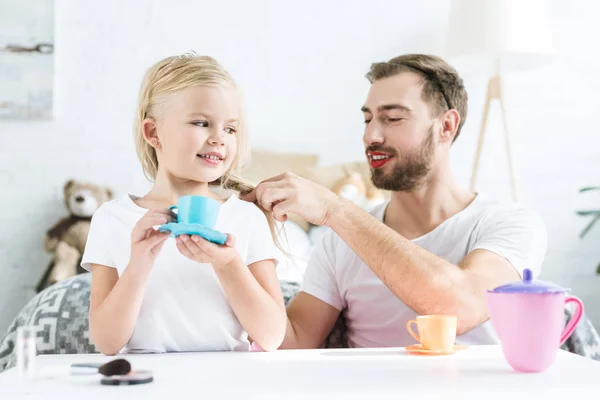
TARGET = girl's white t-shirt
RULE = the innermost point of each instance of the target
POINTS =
(184, 306)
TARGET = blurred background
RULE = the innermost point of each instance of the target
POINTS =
(67, 106)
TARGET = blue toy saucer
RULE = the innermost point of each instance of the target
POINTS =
(177, 229)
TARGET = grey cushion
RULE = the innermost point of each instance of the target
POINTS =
(584, 340)
(60, 312)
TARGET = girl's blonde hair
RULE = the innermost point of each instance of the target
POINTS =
(170, 76)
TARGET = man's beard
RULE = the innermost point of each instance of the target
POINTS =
(410, 170)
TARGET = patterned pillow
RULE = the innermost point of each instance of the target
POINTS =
(584, 340)
(60, 312)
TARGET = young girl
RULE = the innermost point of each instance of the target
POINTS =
(155, 294)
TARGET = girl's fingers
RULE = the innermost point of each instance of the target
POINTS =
(158, 246)
(189, 245)
(184, 250)
(156, 238)
(144, 227)
(230, 240)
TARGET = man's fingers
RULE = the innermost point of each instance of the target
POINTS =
(279, 177)
(281, 210)
(250, 197)
(255, 195)
(273, 195)
(270, 193)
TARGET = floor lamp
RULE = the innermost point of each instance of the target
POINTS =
(498, 37)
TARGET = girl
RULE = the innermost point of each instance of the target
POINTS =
(151, 294)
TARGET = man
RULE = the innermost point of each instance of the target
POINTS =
(435, 248)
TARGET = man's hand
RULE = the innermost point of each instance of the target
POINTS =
(289, 193)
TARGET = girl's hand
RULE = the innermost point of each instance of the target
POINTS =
(146, 242)
(201, 250)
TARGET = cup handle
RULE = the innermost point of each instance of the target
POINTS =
(408, 324)
(572, 324)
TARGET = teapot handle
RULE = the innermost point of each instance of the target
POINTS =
(572, 324)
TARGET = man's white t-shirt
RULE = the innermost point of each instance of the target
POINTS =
(184, 306)
(375, 317)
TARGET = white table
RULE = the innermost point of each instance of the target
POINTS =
(479, 372)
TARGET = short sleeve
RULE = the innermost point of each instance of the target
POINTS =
(518, 235)
(260, 244)
(97, 248)
(320, 278)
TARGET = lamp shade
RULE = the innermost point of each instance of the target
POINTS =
(514, 33)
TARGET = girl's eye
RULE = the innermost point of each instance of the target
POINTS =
(367, 121)
(202, 124)
(395, 119)
(231, 130)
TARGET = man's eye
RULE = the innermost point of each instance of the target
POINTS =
(202, 124)
(395, 119)
(367, 121)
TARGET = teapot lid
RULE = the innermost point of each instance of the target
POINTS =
(528, 285)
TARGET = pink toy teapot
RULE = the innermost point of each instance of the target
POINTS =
(528, 317)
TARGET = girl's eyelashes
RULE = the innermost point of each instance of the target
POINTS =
(204, 124)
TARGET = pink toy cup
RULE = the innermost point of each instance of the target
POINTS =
(528, 317)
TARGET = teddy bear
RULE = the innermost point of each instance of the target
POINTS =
(67, 238)
(353, 187)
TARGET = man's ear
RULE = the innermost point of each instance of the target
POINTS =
(150, 132)
(450, 122)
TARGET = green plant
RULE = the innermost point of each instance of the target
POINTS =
(593, 214)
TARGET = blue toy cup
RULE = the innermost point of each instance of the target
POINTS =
(197, 210)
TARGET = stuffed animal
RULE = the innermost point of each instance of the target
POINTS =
(66, 239)
(353, 187)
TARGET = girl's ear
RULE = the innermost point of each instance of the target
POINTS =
(150, 132)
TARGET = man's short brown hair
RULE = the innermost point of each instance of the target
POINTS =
(442, 87)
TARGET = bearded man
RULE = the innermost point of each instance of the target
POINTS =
(434, 248)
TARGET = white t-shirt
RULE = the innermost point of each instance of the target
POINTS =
(376, 317)
(184, 307)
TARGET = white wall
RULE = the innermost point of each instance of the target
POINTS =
(301, 65)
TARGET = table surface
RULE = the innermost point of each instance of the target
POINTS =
(311, 374)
